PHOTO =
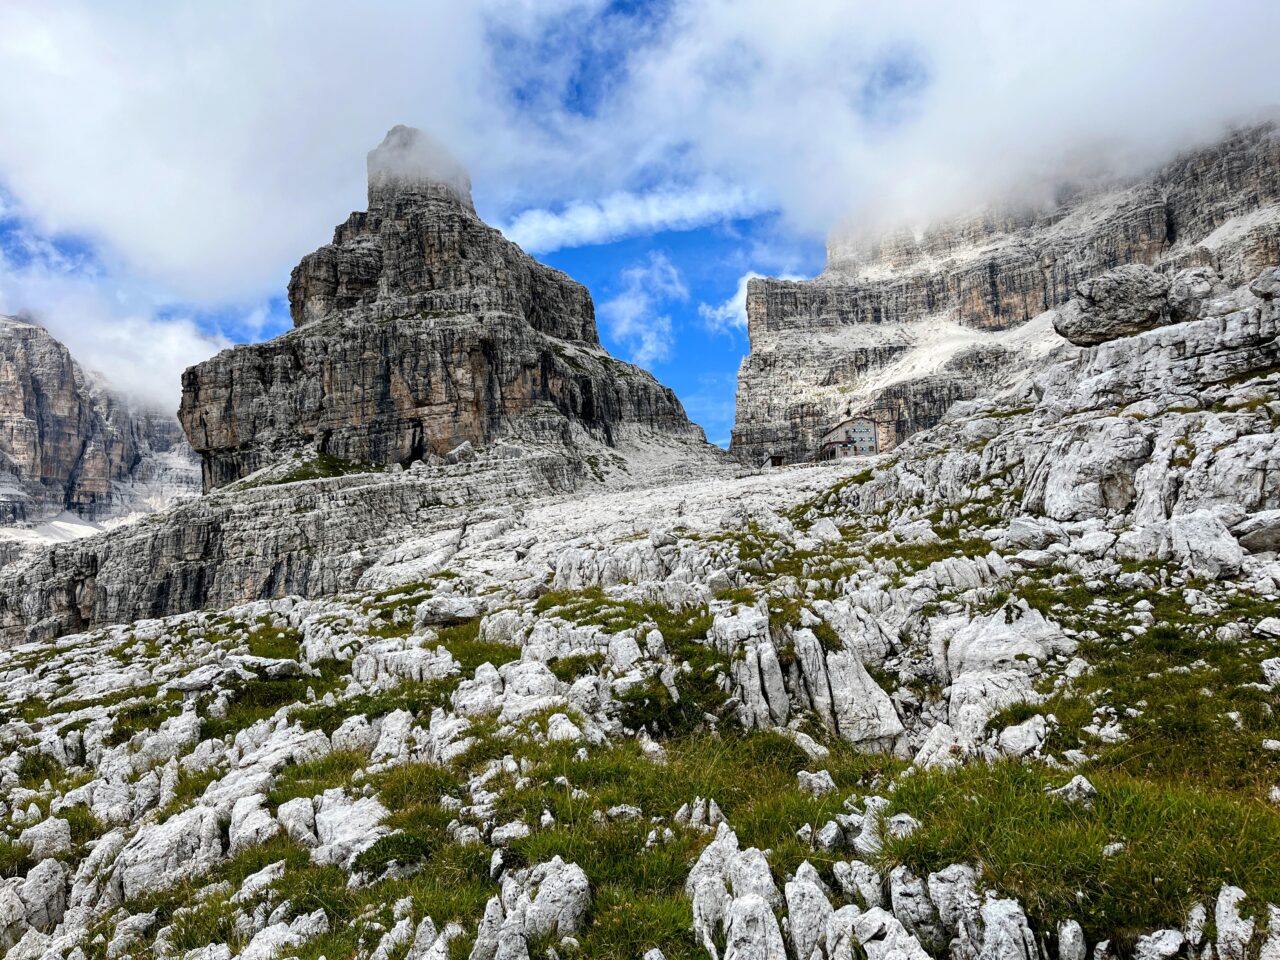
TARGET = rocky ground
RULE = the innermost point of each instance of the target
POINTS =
(1007, 694)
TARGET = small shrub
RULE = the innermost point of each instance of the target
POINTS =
(401, 848)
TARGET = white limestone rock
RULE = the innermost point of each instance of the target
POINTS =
(808, 910)
(186, 845)
(48, 838)
(751, 931)
(346, 828)
(883, 937)
(251, 824)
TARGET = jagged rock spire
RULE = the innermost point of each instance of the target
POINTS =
(418, 329)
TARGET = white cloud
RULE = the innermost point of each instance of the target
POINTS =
(208, 146)
(624, 214)
(633, 318)
(887, 110)
(731, 315)
(110, 327)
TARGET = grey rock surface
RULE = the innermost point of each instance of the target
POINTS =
(419, 330)
(901, 326)
(70, 443)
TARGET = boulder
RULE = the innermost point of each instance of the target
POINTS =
(1202, 543)
(1118, 303)
(751, 931)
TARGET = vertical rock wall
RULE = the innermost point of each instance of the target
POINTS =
(891, 326)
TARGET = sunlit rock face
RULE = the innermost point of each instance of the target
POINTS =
(417, 329)
(900, 326)
(436, 375)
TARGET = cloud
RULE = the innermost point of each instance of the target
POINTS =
(110, 327)
(731, 315)
(208, 146)
(632, 317)
(625, 214)
(883, 111)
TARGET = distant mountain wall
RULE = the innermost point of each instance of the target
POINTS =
(900, 326)
(70, 443)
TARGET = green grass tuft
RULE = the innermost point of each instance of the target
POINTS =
(1182, 843)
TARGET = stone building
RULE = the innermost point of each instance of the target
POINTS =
(856, 437)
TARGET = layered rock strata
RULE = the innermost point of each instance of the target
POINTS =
(308, 539)
(423, 339)
(420, 328)
(69, 443)
(908, 311)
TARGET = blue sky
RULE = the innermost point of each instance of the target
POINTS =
(701, 364)
(164, 166)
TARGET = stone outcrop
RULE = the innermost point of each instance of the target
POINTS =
(423, 339)
(312, 539)
(925, 315)
(420, 328)
(69, 443)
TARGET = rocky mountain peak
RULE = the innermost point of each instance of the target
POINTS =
(418, 329)
(900, 326)
(420, 249)
(410, 165)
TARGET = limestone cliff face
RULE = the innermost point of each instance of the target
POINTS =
(419, 328)
(306, 539)
(901, 326)
(69, 443)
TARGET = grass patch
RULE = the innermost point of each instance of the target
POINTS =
(274, 644)
(569, 669)
(254, 700)
(1184, 698)
(137, 717)
(1182, 843)
(915, 557)
(36, 767)
(1014, 714)
(463, 641)
(14, 859)
(315, 776)
(323, 466)
(418, 698)
(751, 775)
(456, 888)
(84, 825)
